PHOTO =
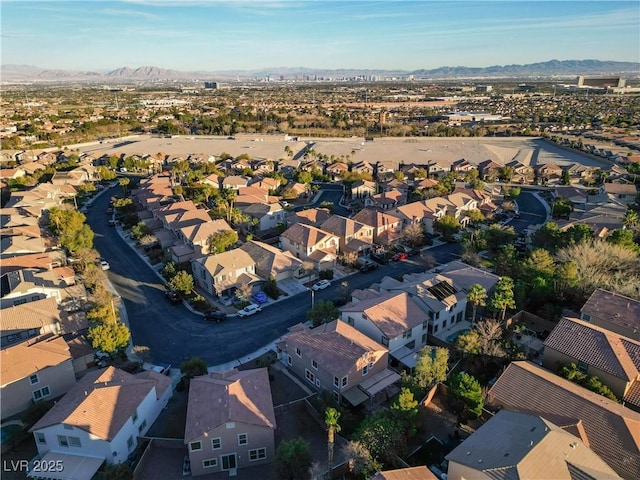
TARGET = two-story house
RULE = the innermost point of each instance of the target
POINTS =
(424, 212)
(311, 216)
(621, 192)
(265, 216)
(230, 421)
(197, 236)
(609, 356)
(101, 418)
(386, 200)
(353, 236)
(386, 228)
(29, 320)
(311, 244)
(223, 273)
(40, 369)
(336, 357)
(273, 262)
(30, 284)
(393, 319)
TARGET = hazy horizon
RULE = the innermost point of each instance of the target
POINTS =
(358, 35)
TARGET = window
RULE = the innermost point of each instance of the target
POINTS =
(425, 324)
(336, 382)
(407, 333)
(210, 463)
(134, 417)
(62, 441)
(318, 382)
(583, 367)
(142, 426)
(309, 376)
(444, 323)
(243, 439)
(40, 438)
(424, 338)
(288, 359)
(34, 379)
(459, 317)
(43, 392)
(385, 341)
(32, 332)
(74, 441)
(298, 352)
(345, 381)
(130, 442)
(365, 370)
(257, 454)
(216, 443)
(314, 364)
(586, 317)
(411, 345)
(350, 321)
(195, 446)
(230, 425)
(67, 427)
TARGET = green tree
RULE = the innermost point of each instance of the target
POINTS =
(506, 174)
(331, 417)
(87, 188)
(431, 366)
(109, 337)
(467, 389)
(476, 296)
(561, 208)
(364, 465)
(565, 178)
(324, 311)
(630, 219)
(448, 226)
(293, 460)
(383, 436)
(221, 241)
(405, 409)
(182, 282)
(105, 174)
(475, 216)
(503, 297)
(139, 230)
(102, 313)
(194, 367)
(73, 234)
(538, 263)
(623, 238)
(124, 183)
(169, 270)
(469, 342)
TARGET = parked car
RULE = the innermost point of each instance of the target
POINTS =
(173, 296)
(104, 265)
(321, 285)
(368, 266)
(215, 316)
(260, 297)
(250, 309)
(400, 256)
(381, 258)
(112, 223)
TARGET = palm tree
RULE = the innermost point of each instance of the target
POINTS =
(476, 296)
(503, 297)
(630, 218)
(331, 417)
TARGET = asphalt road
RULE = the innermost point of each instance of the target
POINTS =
(532, 211)
(175, 334)
(332, 193)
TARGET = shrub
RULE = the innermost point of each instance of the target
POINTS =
(326, 274)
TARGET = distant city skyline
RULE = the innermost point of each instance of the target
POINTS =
(254, 34)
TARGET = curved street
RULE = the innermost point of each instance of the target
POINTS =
(175, 334)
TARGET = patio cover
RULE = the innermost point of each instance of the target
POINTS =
(379, 382)
(75, 467)
(355, 396)
(406, 356)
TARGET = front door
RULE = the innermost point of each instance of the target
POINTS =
(229, 463)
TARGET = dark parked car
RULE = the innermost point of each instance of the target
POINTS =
(367, 267)
(215, 316)
(380, 258)
(174, 297)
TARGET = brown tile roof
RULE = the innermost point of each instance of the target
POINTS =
(312, 216)
(598, 347)
(202, 231)
(30, 315)
(608, 307)
(232, 396)
(306, 235)
(100, 403)
(411, 473)
(230, 261)
(620, 188)
(343, 226)
(26, 358)
(269, 259)
(613, 431)
(522, 446)
(33, 260)
(392, 313)
(336, 346)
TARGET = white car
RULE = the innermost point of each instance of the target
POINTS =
(250, 309)
(104, 265)
(321, 285)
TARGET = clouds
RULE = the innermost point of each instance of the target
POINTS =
(245, 34)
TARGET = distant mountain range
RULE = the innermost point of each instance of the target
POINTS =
(552, 69)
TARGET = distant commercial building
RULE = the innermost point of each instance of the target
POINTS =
(213, 85)
(484, 88)
(601, 82)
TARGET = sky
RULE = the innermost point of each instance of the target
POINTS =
(260, 34)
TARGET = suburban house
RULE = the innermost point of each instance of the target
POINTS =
(462, 166)
(29, 284)
(596, 351)
(524, 446)
(213, 180)
(393, 319)
(386, 228)
(362, 189)
(461, 203)
(230, 421)
(336, 357)
(29, 320)
(234, 182)
(273, 262)
(410, 473)
(265, 216)
(362, 166)
(101, 418)
(223, 273)
(489, 170)
(613, 312)
(611, 430)
(548, 171)
(197, 236)
(353, 236)
(336, 170)
(312, 216)
(311, 244)
(423, 212)
(621, 192)
(36, 370)
(386, 200)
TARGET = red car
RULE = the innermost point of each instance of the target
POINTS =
(400, 256)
